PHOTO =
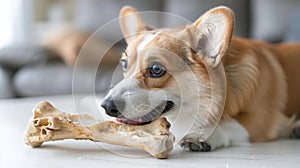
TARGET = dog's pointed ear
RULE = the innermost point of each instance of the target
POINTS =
(213, 33)
(131, 23)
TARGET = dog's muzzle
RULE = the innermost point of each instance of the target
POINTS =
(114, 108)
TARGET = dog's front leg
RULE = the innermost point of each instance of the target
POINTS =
(225, 134)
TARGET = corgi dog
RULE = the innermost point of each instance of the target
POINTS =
(199, 74)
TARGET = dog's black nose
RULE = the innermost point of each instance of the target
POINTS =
(112, 107)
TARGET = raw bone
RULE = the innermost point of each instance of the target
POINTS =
(49, 124)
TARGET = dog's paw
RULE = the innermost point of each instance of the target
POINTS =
(296, 133)
(196, 147)
(191, 144)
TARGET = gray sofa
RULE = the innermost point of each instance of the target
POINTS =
(28, 70)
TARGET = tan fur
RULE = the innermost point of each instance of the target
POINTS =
(257, 89)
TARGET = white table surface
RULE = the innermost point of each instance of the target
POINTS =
(14, 114)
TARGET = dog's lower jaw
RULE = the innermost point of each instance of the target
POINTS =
(148, 118)
(226, 133)
(132, 122)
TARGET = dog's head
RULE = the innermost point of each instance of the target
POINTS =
(165, 70)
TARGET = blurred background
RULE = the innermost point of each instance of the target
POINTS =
(40, 39)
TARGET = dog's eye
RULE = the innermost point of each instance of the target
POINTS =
(124, 64)
(157, 70)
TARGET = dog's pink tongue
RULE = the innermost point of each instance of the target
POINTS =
(128, 121)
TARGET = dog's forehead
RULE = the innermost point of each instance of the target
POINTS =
(161, 44)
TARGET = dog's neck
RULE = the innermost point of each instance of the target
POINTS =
(241, 74)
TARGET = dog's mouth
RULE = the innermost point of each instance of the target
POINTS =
(149, 117)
